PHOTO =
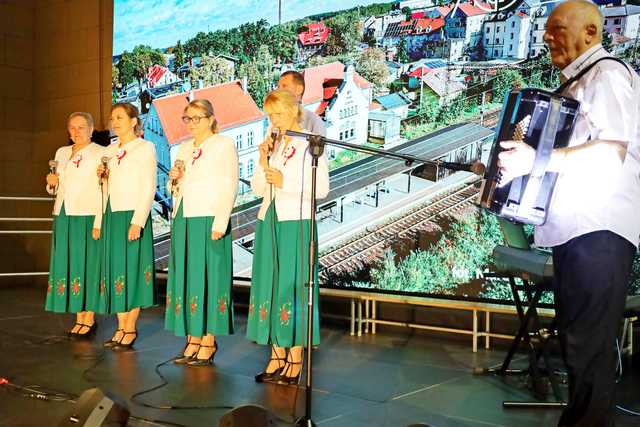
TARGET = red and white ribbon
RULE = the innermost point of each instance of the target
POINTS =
(77, 159)
(289, 153)
(120, 154)
(197, 152)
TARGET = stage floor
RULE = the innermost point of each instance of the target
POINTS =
(394, 379)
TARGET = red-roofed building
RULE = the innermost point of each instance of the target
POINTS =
(428, 25)
(312, 41)
(466, 23)
(241, 120)
(314, 78)
(160, 76)
(342, 98)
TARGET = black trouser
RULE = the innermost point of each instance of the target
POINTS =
(591, 276)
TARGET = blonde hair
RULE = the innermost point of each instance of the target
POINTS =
(132, 112)
(207, 108)
(281, 100)
(86, 116)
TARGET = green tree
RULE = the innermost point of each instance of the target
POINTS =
(369, 38)
(345, 33)
(259, 74)
(403, 51)
(452, 110)
(212, 71)
(505, 81)
(282, 42)
(126, 68)
(372, 67)
(197, 46)
(115, 78)
(407, 12)
(144, 57)
(179, 53)
(429, 107)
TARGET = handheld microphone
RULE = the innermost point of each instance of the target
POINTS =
(105, 163)
(53, 168)
(275, 137)
(174, 182)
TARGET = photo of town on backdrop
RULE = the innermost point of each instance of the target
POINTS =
(423, 77)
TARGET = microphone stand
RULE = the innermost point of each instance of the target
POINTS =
(316, 148)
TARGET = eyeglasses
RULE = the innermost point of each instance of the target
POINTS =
(195, 119)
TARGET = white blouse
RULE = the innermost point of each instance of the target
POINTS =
(78, 184)
(209, 185)
(293, 200)
(132, 179)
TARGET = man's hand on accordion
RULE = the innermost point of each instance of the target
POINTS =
(516, 160)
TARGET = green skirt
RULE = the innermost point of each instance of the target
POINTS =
(278, 299)
(127, 269)
(74, 265)
(199, 298)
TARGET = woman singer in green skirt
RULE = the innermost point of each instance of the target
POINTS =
(127, 270)
(204, 184)
(74, 267)
(278, 299)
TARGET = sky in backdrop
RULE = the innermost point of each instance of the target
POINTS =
(161, 23)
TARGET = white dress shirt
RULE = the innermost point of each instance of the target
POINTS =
(210, 183)
(78, 184)
(293, 200)
(596, 191)
(132, 179)
(313, 123)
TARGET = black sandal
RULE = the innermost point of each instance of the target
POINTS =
(123, 347)
(87, 335)
(265, 376)
(204, 362)
(112, 342)
(182, 359)
(287, 380)
(70, 332)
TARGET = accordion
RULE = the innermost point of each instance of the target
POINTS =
(545, 121)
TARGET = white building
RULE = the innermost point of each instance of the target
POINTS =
(416, 4)
(516, 38)
(622, 20)
(539, 15)
(342, 98)
(494, 32)
(466, 23)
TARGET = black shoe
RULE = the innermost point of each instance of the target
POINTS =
(112, 343)
(287, 380)
(125, 347)
(204, 362)
(181, 359)
(265, 376)
(90, 332)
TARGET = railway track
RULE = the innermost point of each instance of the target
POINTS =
(371, 245)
